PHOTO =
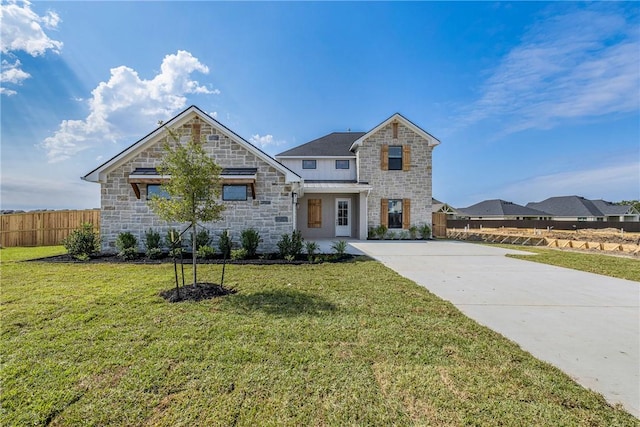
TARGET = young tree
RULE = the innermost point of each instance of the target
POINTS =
(194, 187)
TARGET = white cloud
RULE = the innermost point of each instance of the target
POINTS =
(264, 141)
(125, 105)
(22, 30)
(573, 64)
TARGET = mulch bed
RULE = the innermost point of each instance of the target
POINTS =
(142, 259)
(197, 292)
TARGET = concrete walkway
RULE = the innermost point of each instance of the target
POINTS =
(585, 324)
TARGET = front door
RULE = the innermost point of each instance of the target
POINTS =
(343, 217)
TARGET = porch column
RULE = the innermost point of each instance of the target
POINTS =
(363, 215)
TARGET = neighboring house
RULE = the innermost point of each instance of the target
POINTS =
(501, 210)
(354, 181)
(441, 207)
(336, 186)
(257, 190)
(576, 208)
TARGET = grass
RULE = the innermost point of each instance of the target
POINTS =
(608, 265)
(328, 344)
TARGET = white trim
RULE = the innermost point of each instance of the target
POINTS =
(346, 229)
(433, 141)
(315, 157)
(333, 187)
(132, 176)
(100, 173)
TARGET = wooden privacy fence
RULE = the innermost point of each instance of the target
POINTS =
(43, 228)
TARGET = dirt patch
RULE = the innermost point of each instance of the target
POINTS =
(196, 292)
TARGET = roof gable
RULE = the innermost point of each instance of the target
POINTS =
(336, 144)
(397, 117)
(99, 173)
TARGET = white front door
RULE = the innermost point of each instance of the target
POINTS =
(343, 217)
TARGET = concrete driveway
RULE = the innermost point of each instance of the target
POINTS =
(585, 324)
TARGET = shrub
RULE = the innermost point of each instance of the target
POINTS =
(176, 252)
(173, 239)
(373, 233)
(82, 242)
(381, 230)
(126, 240)
(391, 235)
(404, 235)
(250, 240)
(239, 253)
(339, 248)
(128, 253)
(225, 243)
(152, 240)
(206, 252)
(425, 231)
(290, 246)
(413, 232)
(203, 238)
(154, 253)
(311, 248)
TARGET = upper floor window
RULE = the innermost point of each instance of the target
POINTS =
(308, 164)
(395, 157)
(342, 164)
(156, 190)
(234, 192)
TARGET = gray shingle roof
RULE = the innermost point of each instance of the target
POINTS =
(334, 144)
(500, 208)
(609, 208)
(570, 206)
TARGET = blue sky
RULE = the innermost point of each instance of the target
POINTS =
(529, 100)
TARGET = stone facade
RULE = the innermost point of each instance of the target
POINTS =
(271, 212)
(414, 184)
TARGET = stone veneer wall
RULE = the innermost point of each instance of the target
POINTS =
(121, 211)
(414, 184)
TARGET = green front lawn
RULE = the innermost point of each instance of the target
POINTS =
(608, 265)
(330, 344)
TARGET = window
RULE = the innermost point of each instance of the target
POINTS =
(342, 164)
(395, 157)
(395, 213)
(156, 190)
(308, 164)
(234, 192)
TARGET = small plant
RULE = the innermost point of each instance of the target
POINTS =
(339, 248)
(239, 253)
(311, 248)
(82, 242)
(381, 231)
(152, 243)
(373, 233)
(289, 258)
(176, 252)
(290, 245)
(203, 238)
(225, 243)
(250, 239)
(413, 232)
(126, 243)
(425, 231)
(206, 252)
(391, 235)
(404, 235)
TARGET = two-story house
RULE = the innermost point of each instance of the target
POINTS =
(339, 185)
(353, 181)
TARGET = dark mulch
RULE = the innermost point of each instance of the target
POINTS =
(197, 292)
(142, 259)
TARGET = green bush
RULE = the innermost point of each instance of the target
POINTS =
(339, 248)
(206, 252)
(250, 239)
(290, 246)
(152, 240)
(154, 253)
(311, 248)
(425, 231)
(203, 238)
(413, 232)
(128, 253)
(126, 240)
(225, 243)
(239, 253)
(83, 242)
(173, 239)
(176, 252)
(381, 231)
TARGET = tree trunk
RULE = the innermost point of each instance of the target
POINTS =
(193, 250)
